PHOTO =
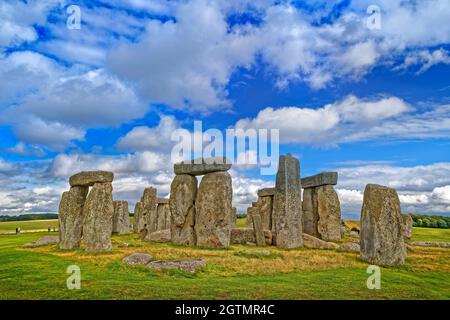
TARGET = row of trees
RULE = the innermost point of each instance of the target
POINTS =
(424, 221)
(32, 216)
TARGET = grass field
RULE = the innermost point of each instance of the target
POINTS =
(40, 273)
(27, 226)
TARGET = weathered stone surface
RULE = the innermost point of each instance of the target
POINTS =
(250, 212)
(183, 192)
(310, 216)
(89, 178)
(98, 214)
(247, 235)
(258, 229)
(234, 216)
(159, 236)
(266, 192)
(183, 265)
(381, 237)
(213, 214)
(315, 243)
(329, 213)
(203, 166)
(149, 209)
(121, 218)
(321, 179)
(139, 223)
(44, 241)
(71, 217)
(287, 207)
(354, 234)
(407, 225)
(431, 244)
(163, 214)
(350, 247)
(163, 201)
(138, 258)
(265, 208)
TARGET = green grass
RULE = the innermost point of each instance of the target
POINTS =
(431, 234)
(40, 273)
(33, 225)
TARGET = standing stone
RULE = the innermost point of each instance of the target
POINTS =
(310, 216)
(183, 192)
(98, 214)
(71, 217)
(121, 218)
(250, 212)
(329, 213)
(258, 230)
(149, 206)
(407, 225)
(265, 208)
(381, 237)
(234, 216)
(163, 211)
(288, 204)
(213, 213)
(138, 221)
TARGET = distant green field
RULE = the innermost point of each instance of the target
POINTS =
(40, 273)
(33, 225)
(431, 234)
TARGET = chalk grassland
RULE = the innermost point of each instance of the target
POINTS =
(40, 273)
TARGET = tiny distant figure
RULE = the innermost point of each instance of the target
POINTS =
(49, 229)
(17, 230)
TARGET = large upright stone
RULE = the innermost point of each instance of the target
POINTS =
(265, 208)
(287, 209)
(89, 178)
(202, 166)
(121, 218)
(149, 209)
(98, 214)
(183, 192)
(321, 179)
(71, 217)
(138, 224)
(310, 215)
(258, 230)
(381, 237)
(163, 211)
(213, 210)
(407, 225)
(329, 213)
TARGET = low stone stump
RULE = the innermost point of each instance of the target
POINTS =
(183, 265)
(183, 192)
(247, 235)
(44, 241)
(316, 243)
(98, 214)
(138, 258)
(382, 231)
(435, 244)
(213, 210)
(350, 247)
(121, 218)
(71, 217)
(159, 236)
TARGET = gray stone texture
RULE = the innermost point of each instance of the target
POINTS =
(89, 178)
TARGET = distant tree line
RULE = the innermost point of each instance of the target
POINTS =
(424, 221)
(27, 217)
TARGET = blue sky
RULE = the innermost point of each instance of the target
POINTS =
(370, 103)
